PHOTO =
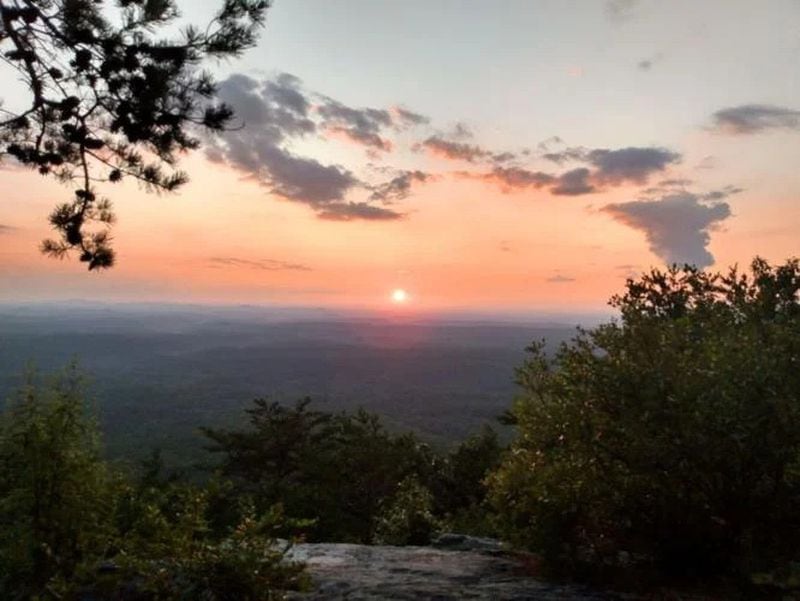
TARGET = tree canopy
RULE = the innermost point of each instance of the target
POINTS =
(110, 98)
(73, 526)
(670, 438)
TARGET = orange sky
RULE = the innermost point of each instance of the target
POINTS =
(461, 242)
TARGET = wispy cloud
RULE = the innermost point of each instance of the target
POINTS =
(407, 117)
(399, 187)
(755, 118)
(620, 10)
(567, 154)
(6, 229)
(515, 178)
(560, 279)
(453, 146)
(349, 211)
(363, 126)
(457, 151)
(263, 264)
(649, 63)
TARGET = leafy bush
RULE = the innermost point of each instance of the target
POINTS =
(336, 469)
(407, 518)
(56, 503)
(185, 563)
(71, 528)
(457, 484)
(669, 439)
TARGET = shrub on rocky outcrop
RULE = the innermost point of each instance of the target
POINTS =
(670, 438)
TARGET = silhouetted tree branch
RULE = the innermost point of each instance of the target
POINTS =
(111, 100)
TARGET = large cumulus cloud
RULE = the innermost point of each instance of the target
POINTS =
(676, 226)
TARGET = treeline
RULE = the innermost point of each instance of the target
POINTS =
(358, 482)
(73, 525)
(661, 449)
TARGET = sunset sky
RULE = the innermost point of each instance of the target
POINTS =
(517, 155)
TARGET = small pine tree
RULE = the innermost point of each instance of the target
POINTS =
(56, 504)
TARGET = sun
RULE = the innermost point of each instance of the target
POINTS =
(399, 296)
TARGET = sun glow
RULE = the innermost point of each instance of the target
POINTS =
(399, 296)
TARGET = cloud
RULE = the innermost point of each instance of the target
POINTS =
(460, 131)
(754, 118)
(6, 229)
(511, 178)
(606, 168)
(264, 264)
(707, 162)
(568, 154)
(410, 118)
(631, 164)
(363, 126)
(399, 187)
(620, 10)
(277, 108)
(721, 193)
(547, 144)
(648, 63)
(455, 151)
(301, 179)
(574, 183)
(277, 112)
(676, 226)
(629, 270)
(285, 90)
(674, 186)
(678, 181)
(349, 211)
(503, 157)
(614, 167)
(452, 146)
(560, 279)
(307, 180)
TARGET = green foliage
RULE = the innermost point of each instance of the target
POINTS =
(458, 483)
(55, 493)
(669, 438)
(109, 99)
(70, 528)
(336, 469)
(171, 553)
(407, 518)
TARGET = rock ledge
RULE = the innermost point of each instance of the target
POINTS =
(455, 568)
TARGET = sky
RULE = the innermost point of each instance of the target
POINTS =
(518, 155)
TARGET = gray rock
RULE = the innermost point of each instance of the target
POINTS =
(464, 542)
(384, 573)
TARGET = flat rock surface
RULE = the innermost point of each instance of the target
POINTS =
(361, 573)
